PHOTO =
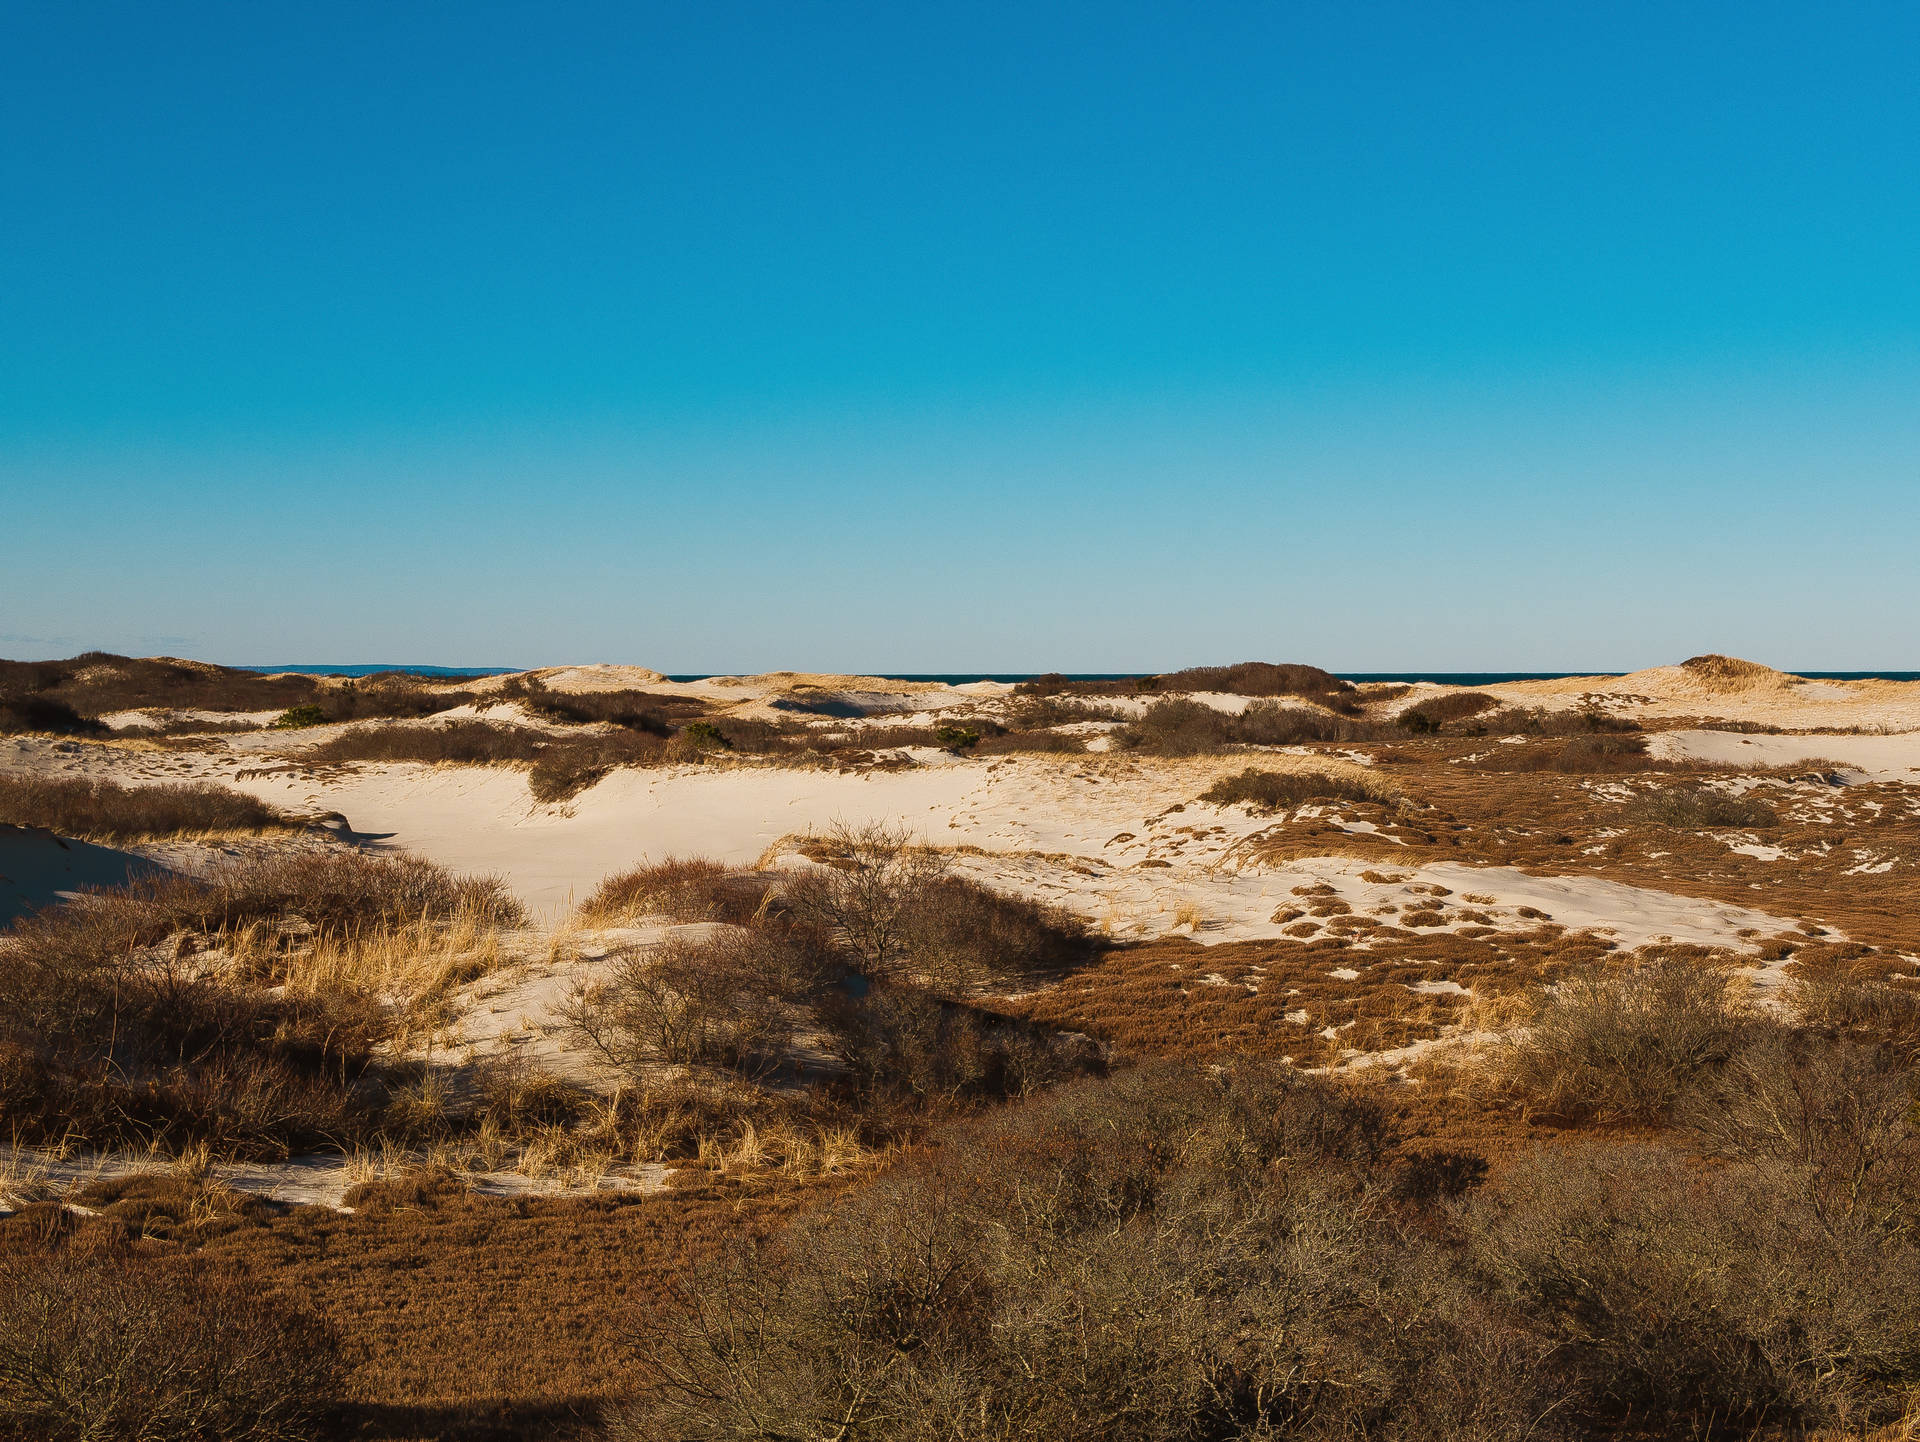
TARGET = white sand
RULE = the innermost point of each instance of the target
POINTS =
(1876, 758)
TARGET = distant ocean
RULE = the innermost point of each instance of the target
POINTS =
(961, 678)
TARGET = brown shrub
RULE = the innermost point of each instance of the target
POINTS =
(894, 909)
(1432, 714)
(1275, 790)
(1528, 721)
(147, 1014)
(1247, 678)
(634, 710)
(458, 743)
(1623, 1045)
(1179, 727)
(1166, 1254)
(1869, 1011)
(1694, 808)
(682, 889)
(721, 1001)
(1678, 1301)
(30, 714)
(1597, 753)
(105, 811)
(1041, 742)
(111, 1346)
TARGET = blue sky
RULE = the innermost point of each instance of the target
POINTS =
(932, 338)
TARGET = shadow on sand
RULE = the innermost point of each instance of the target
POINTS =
(38, 868)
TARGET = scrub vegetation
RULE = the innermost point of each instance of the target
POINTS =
(865, 1142)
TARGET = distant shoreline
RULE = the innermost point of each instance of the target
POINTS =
(961, 678)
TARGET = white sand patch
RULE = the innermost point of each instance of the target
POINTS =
(1879, 758)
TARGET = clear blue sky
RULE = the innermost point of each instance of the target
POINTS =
(950, 337)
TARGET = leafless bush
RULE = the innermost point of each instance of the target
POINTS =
(1694, 808)
(1623, 1045)
(1682, 1302)
(863, 897)
(682, 889)
(1274, 790)
(105, 811)
(1874, 1012)
(111, 1346)
(895, 1038)
(722, 1001)
(1436, 712)
(960, 934)
(1150, 1258)
(1834, 1125)
(458, 743)
(897, 911)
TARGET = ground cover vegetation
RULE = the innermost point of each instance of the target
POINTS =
(244, 1009)
(68, 696)
(101, 810)
(1245, 1252)
(950, 1164)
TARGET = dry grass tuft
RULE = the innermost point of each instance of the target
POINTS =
(680, 889)
(101, 810)
(1622, 1046)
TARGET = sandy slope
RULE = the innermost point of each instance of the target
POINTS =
(1123, 841)
(1732, 690)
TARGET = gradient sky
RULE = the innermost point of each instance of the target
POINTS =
(962, 337)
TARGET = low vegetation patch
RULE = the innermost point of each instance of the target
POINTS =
(115, 1345)
(1434, 714)
(245, 1010)
(682, 889)
(633, 710)
(874, 951)
(1624, 1045)
(457, 743)
(1691, 808)
(1595, 753)
(1184, 727)
(1246, 678)
(27, 715)
(1259, 1250)
(1276, 790)
(102, 810)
